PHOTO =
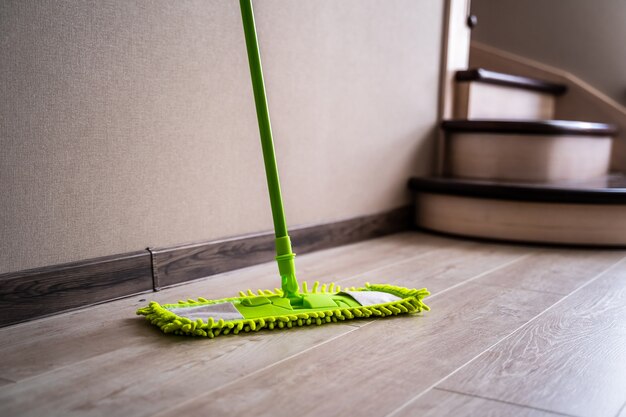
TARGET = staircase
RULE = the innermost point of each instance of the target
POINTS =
(512, 173)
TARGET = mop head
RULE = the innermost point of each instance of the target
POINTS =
(270, 310)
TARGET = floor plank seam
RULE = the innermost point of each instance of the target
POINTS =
(356, 325)
(416, 397)
(505, 402)
(482, 274)
(378, 268)
(32, 377)
(491, 284)
(188, 400)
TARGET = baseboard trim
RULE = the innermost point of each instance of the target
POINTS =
(188, 262)
(35, 293)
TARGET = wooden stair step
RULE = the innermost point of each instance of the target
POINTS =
(527, 150)
(481, 94)
(591, 212)
(609, 189)
(486, 76)
(531, 127)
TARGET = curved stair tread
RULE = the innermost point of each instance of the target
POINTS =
(509, 80)
(531, 127)
(609, 189)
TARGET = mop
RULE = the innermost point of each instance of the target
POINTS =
(291, 305)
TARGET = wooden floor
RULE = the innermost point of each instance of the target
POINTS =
(514, 330)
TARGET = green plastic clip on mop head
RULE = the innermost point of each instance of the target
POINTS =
(290, 305)
(287, 268)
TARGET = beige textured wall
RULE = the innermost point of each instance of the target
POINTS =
(584, 37)
(127, 124)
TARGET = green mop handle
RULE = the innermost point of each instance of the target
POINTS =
(284, 255)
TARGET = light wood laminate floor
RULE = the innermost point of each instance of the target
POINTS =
(514, 330)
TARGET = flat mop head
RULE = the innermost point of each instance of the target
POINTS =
(270, 309)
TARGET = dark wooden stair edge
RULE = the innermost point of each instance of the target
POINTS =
(35, 293)
(520, 192)
(531, 127)
(509, 80)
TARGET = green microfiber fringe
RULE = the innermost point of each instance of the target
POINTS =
(169, 322)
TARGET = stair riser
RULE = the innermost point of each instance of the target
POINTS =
(579, 224)
(476, 100)
(526, 158)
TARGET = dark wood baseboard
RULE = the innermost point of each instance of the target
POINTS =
(188, 262)
(34, 293)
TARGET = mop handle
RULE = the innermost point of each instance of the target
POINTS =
(265, 128)
(284, 253)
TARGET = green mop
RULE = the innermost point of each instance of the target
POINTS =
(291, 305)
